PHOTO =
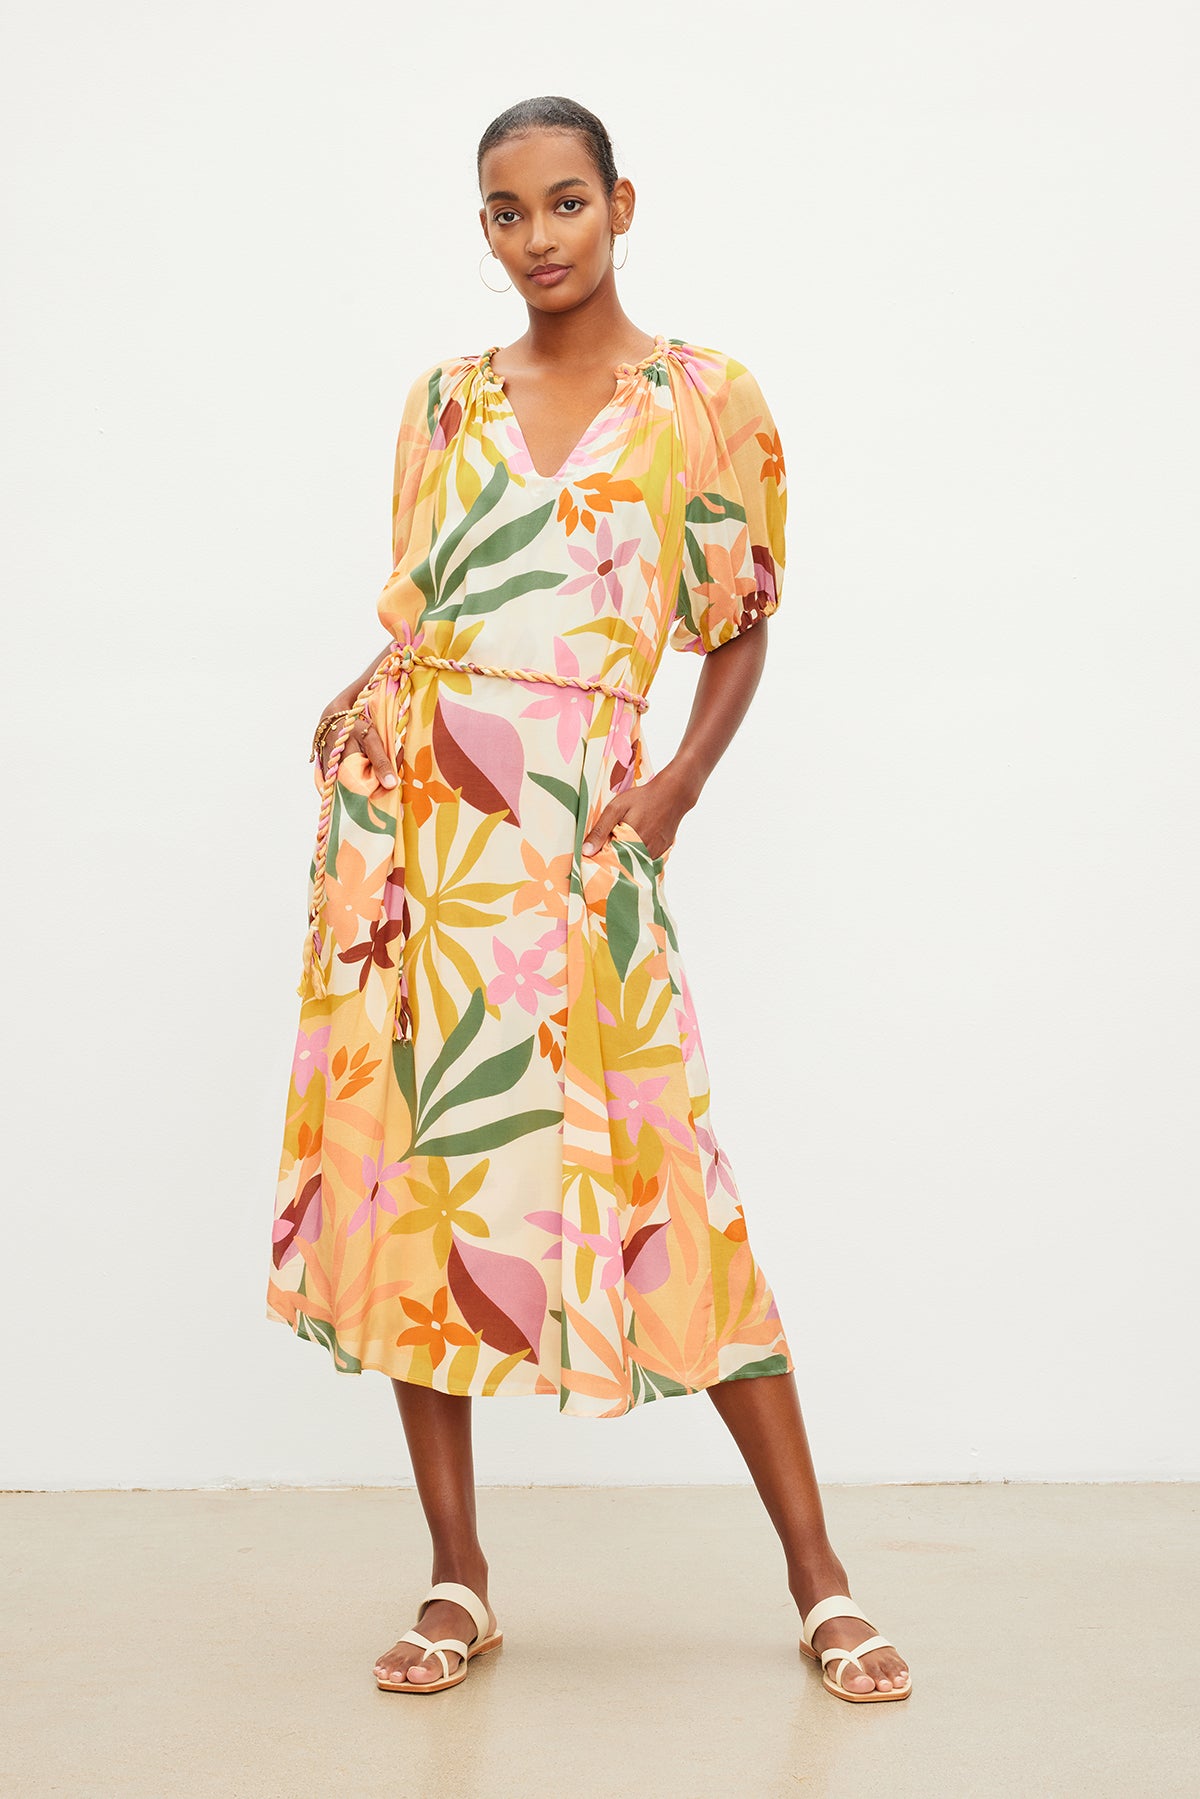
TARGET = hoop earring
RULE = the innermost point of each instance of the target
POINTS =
(612, 240)
(486, 283)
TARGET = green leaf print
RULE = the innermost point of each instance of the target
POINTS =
(772, 1364)
(630, 855)
(497, 1075)
(582, 805)
(490, 1136)
(699, 562)
(498, 547)
(621, 922)
(360, 809)
(663, 918)
(433, 400)
(405, 1069)
(316, 1330)
(561, 790)
(459, 1040)
(564, 1356)
(486, 501)
(495, 597)
(711, 508)
(661, 1386)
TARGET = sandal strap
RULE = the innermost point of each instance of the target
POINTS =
(860, 1649)
(838, 1605)
(470, 1602)
(414, 1636)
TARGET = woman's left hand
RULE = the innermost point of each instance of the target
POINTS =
(653, 809)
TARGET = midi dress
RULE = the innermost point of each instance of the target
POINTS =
(500, 1173)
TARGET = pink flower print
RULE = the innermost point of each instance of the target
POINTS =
(378, 1199)
(572, 706)
(718, 1172)
(517, 456)
(311, 1057)
(634, 1101)
(603, 561)
(685, 1020)
(519, 977)
(608, 1247)
(683, 1133)
(552, 1222)
(620, 738)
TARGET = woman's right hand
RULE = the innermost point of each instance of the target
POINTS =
(362, 736)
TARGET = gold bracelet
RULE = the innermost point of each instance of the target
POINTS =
(323, 727)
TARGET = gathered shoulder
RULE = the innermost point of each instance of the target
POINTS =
(708, 368)
(444, 375)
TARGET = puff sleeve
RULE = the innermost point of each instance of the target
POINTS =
(732, 573)
(417, 423)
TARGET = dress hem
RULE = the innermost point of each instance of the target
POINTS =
(676, 1392)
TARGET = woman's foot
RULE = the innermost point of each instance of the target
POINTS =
(441, 1618)
(885, 1668)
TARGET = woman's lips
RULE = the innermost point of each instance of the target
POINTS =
(549, 277)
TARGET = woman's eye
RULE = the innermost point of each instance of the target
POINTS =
(507, 213)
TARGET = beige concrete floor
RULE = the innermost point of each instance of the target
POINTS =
(196, 1643)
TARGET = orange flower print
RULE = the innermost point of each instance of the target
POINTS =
(772, 468)
(723, 564)
(571, 515)
(421, 788)
(602, 489)
(599, 490)
(551, 1035)
(433, 1329)
(546, 889)
(353, 894)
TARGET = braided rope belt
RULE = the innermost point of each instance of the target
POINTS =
(399, 662)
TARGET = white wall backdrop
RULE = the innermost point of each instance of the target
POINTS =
(946, 956)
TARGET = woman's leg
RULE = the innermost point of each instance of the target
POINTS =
(763, 1414)
(437, 1427)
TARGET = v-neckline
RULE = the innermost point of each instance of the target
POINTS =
(623, 373)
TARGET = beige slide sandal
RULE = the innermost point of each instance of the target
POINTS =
(487, 1636)
(840, 1605)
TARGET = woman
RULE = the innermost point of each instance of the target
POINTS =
(499, 1175)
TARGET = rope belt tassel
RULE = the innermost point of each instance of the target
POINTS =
(399, 662)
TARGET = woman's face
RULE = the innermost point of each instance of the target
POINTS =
(544, 208)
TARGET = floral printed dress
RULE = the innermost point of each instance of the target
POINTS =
(499, 1170)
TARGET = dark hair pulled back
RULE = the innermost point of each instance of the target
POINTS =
(553, 112)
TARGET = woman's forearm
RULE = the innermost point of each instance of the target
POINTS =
(723, 694)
